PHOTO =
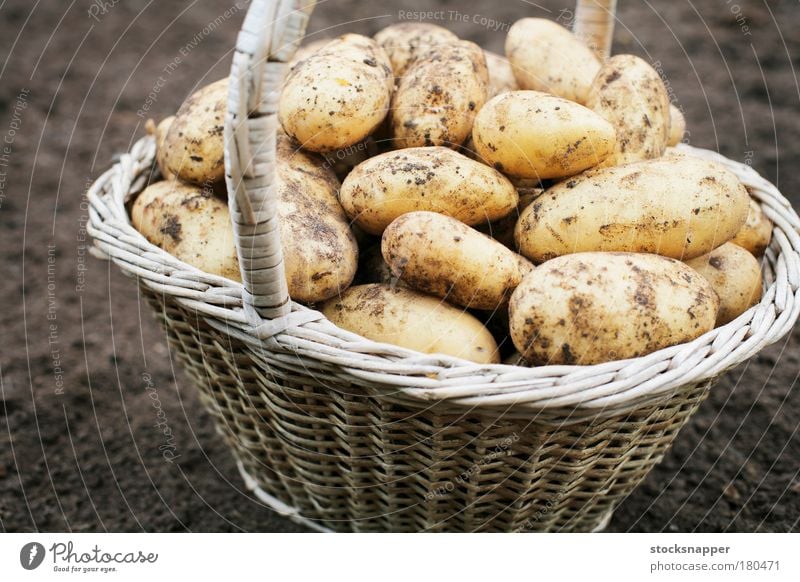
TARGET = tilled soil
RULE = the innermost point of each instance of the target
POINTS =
(81, 355)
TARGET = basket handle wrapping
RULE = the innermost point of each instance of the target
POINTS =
(594, 25)
(270, 34)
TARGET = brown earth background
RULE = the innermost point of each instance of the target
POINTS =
(88, 459)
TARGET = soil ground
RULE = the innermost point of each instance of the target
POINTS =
(78, 447)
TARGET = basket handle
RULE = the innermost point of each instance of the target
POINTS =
(594, 25)
(270, 34)
(271, 31)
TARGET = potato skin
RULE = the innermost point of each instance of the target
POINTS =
(412, 320)
(677, 126)
(756, 233)
(528, 134)
(194, 148)
(436, 101)
(189, 223)
(439, 255)
(338, 95)
(406, 41)
(590, 308)
(680, 207)
(735, 275)
(629, 93)
(547, 57)
(434, 178)
(501, 75)
(320, 252)
(161, 136)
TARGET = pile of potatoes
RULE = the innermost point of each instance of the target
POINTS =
(432, 195)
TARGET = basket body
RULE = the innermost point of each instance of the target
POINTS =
(349, 460)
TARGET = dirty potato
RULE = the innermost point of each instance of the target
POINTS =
(501, 75)
(338, 95)
(406, 41)
(319, 250)
(629, 93)
(193, 148)
(189, 223)
(439, 255)
(756, 233)
(160, 133)
(528, 134)
(680, 207)
(677, 126)
(590, 308)
(547, 57)
(735, 275)
(412, 320)
(434, 178)
(437, 99)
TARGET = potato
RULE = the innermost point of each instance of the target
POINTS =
(194, 148)
(679, 207)
(590, 308)
(412, 320)
(160, 133)
(756, 233)
(189, 223)
(436, 101)
(547, 57)
(406, 41)
(677, 126)
(501, 75)
(338, 95)
(528, 134)
(319, 250)
(434, 178)
(630, 94)
(735, 275)
(439, 255)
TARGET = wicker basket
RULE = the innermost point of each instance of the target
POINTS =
(346, 434)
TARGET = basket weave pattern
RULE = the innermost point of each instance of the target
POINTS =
(359, 464)
(359, 436)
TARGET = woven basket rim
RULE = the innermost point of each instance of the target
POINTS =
(309, 335)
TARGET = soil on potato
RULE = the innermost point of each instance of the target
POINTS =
(86, 373)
